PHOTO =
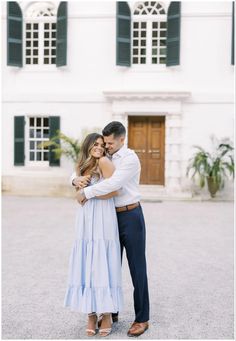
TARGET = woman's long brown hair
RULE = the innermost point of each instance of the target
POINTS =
(87, 164)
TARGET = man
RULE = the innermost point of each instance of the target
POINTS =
(129, 214)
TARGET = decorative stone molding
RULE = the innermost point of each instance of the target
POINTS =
(158, 103)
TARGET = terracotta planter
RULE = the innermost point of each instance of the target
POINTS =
(213, 187)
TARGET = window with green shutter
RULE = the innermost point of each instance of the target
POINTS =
(19, 140)
(14, 34)
(61, 40)
(173, 33)
(123, 34)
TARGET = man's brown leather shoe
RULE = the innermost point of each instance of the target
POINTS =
(137, 328)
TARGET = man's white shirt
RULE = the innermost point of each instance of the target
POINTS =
(125, 179)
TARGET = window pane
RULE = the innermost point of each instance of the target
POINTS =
(135, 43)
(46, 52)
(28, 26)
(39, 156)
(45, 122)
(35, 52)
(135, 25)
(53, 60)
(31, 156)
(53, 26)
(45, 133)
(36, 26)
(163, 60)
(135, 51)
(163, 51)
(143, 34)
(143, 51)
(38, 133)
(38, 121)
(31, 121)
(46, 34)
(143, 60)
(27, 60)
(35, 61)
(53, 34)
(31, 133)
(53, 52)
(46, 43)
(46, 61)
(36, 35)
(28, 34)
(154, 43)
(35, 43)
(154, 60)
(162, 33)
(28, 52)
(154, 33)
(54, 43)
(154, 25)
(135, 60)
(28, 43)
(31, 144)
(143, 42)
(136, 34)
(163, 24)
(154, 52)
(143, 24)
(46, 26)
(45, 156)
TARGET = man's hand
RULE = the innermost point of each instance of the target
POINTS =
(80, 197)
(81, 181)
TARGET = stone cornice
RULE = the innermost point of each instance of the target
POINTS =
(130, 95)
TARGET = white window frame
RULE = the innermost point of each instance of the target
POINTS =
(149, 19)
(39, 164)
(32, 18)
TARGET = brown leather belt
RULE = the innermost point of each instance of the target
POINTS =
(127, 207)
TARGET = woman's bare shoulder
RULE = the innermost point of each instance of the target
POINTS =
(104, 161)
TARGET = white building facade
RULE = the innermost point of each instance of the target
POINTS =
(164, 69)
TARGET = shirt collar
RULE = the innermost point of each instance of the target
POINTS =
(119, 152)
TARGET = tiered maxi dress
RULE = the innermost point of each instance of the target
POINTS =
(94, 279)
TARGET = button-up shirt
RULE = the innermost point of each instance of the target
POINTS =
(125, 179)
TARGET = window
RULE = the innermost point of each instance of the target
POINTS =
(40, 34)
(38, 132)
(149, 33)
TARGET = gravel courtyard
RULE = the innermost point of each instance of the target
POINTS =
(190, 270)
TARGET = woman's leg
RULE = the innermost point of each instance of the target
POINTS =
(105, 328)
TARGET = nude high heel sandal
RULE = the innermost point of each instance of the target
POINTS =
(92, 332)
(105, 331)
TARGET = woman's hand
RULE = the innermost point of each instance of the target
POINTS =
(81, 181)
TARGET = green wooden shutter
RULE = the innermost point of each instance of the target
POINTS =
(54, 126)
(173, 33)
(123, 34)
(232, 43)
(14, 34)
(19, 140)
(61, 57)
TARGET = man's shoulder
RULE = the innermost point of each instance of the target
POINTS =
(130, 154)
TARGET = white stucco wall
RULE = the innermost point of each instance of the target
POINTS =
(76, 92)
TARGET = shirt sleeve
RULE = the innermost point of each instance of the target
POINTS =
(72, 177)
(128, 168)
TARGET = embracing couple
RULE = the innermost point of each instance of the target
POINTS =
(109, 219)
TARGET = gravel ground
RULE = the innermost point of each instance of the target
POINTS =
(190, 270)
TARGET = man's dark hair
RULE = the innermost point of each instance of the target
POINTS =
(116, 128)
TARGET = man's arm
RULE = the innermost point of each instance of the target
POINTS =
(128, 168)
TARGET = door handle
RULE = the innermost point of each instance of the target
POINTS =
(154, 151)
(140, 150)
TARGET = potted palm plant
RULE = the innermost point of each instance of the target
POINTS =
(212, 168)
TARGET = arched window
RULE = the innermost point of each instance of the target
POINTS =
(149, 33)
(40, 33)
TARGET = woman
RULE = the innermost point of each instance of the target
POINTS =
(94, 285)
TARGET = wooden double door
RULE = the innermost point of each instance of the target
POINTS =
(146, 136)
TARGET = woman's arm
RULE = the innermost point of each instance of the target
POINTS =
(107, 169)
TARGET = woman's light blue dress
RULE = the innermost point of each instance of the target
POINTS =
(94, 282)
